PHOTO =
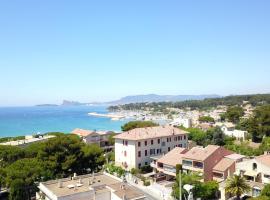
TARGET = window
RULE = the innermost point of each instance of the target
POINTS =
(157, 151)
(152, 152)
(167, 139)
(163, 144)
(184, 137)
(152, 142)
(145, 143)
(139, 154)
(169, 148)
(139, 165)
(139, 144)
(187, 162)
(254, 166)
(178, 137)
(198, 164)
(146, 163)
(123, 142)
(180, 145)
(145, 152)
(126, 143)
(125, 153)
(158, 141)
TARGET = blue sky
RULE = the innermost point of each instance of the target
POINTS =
(102, 50)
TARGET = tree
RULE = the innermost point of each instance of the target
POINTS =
(259, 124)
(234, 113)
(236, 185)
(197, 135)
(17, 190)
(111, 139)
(206, 119)
(218, 136)
(266, 191)
(137, 124)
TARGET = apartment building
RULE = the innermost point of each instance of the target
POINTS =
(134, 148)
(167, 163)
(206, 160)
(88, 187)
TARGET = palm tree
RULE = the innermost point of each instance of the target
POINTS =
(236, 185)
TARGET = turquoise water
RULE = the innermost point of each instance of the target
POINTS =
(16, 121)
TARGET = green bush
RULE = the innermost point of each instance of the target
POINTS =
(146, 183)
(146, 169)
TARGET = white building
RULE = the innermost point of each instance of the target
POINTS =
(229, 130)
(88, 187)
(256, 171)
(134, 148)
(185, 122)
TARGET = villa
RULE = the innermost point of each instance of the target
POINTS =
(134, 148)
(101, 138)
(206, 161)
(256, 171)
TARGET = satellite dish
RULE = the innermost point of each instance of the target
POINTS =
(188, 187)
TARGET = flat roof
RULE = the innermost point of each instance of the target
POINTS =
(150, 132)
(85, 183)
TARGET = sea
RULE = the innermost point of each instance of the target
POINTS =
(17, 121)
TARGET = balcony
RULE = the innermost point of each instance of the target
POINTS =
(192, 165)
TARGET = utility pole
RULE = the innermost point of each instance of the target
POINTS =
(180, 185)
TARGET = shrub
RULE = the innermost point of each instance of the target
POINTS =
(146, 183)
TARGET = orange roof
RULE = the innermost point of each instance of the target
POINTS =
(82, 132)
(173, 157)
(264, 159)
(223, 165)
(150, 132)
(200, 153)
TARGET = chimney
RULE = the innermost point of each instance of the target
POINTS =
(60, 184)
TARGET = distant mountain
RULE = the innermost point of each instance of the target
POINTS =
(47, 105)
(71, 103)
(160, 98)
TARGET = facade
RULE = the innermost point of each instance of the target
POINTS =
(203, 160)
(88, 187)
(101, 138)
(256, 171)
(134, 148)
(229, 130)
(185, 122)
(167, 163)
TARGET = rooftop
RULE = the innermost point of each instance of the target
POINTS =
(264, 159)
(85, 183)
(200, 153)
(173, 157)
(235, 156)
(223, 165)
(82, 132)
(150, 132)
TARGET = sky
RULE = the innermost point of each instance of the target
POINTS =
(103, 50)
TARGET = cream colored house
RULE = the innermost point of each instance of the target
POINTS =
(256, 171)
(134, 148)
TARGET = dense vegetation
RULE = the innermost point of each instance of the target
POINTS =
(58, 157)
(137, 124)
(255, 100)
(206, 119)
(204, 190)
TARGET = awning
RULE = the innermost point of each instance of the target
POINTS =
(251, 173)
